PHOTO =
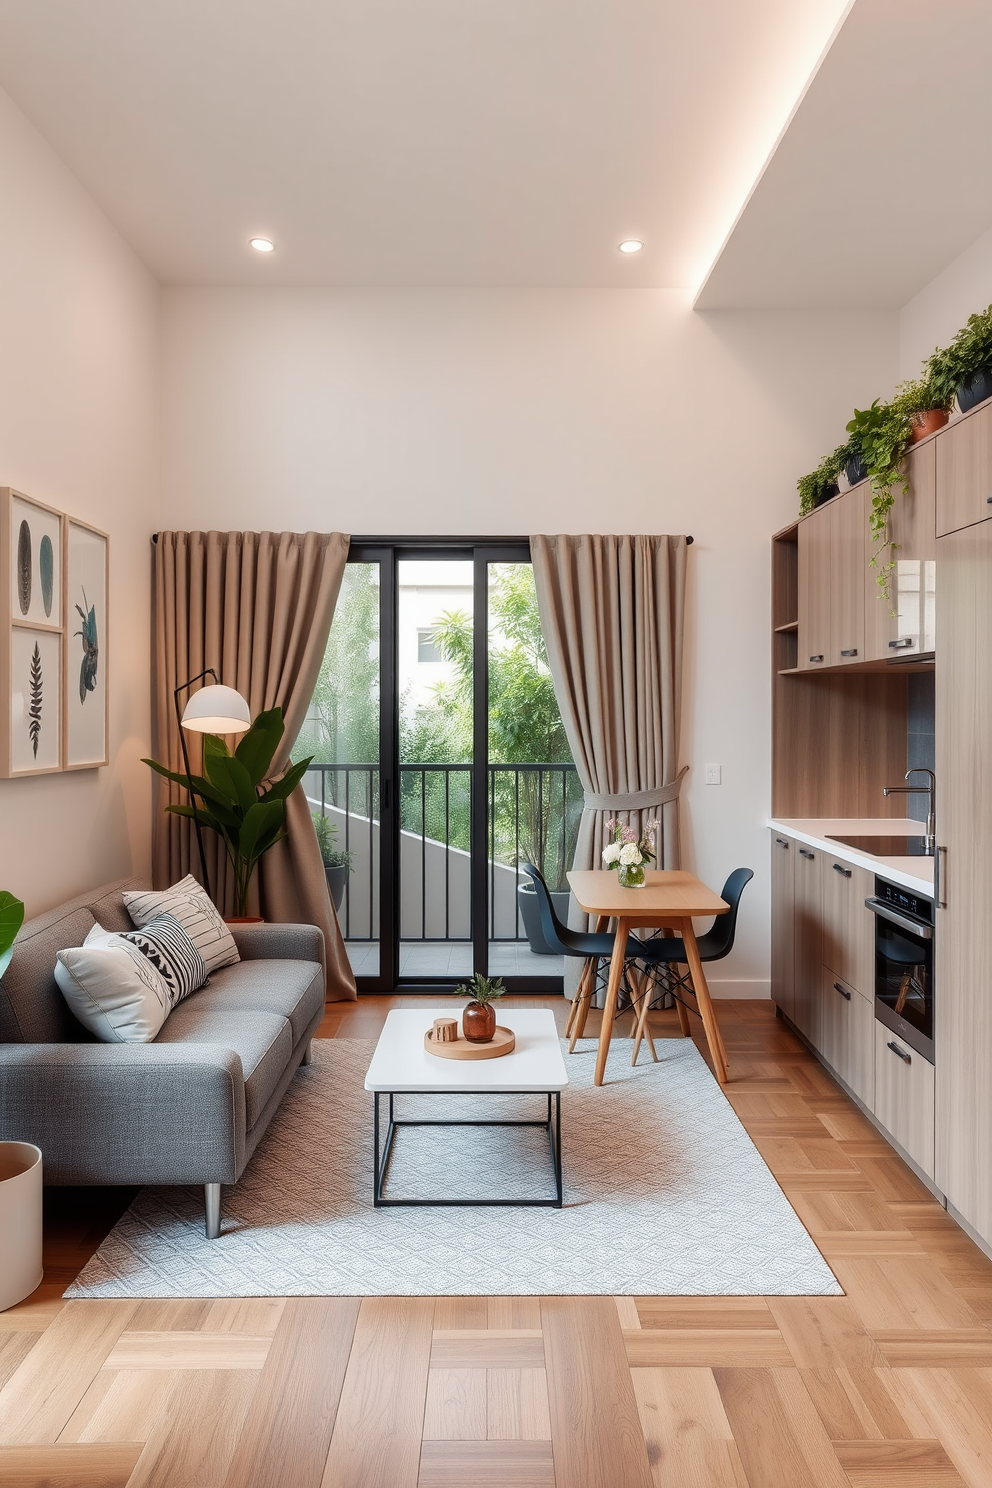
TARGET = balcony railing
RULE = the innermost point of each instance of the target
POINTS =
(533, 815)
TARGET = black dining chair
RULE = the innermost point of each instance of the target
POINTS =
(663, 956)
(593, 947)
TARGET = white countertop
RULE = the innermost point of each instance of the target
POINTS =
(915, 874)
(401, 1063)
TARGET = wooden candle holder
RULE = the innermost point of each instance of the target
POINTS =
(445, 1030)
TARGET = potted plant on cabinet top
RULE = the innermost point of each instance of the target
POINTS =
(479, 1017)
(964, 369)
(821, 484)
(337, 862)
(21, 1268)
(237, 799)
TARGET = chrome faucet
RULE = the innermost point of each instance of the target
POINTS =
(915, 790)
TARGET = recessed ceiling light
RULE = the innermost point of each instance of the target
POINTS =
(631, 245)
(262, 245)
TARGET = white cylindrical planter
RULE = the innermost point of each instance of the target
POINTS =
(20, 1221)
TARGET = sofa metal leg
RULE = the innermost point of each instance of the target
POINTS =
(308, 1053)
(211, 1197)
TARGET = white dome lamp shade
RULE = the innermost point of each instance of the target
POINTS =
(216, 709)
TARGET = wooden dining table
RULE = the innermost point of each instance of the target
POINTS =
(669, 899)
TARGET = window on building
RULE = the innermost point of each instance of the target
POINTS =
(426, 649)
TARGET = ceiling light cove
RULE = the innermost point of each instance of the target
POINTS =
(630, 245)
(262, 245)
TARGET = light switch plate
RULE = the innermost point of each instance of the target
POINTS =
(714, 774)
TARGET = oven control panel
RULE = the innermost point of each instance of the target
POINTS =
(904, 900)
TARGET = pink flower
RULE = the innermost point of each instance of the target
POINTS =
(628, 834)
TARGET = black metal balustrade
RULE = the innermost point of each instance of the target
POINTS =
(534, 811)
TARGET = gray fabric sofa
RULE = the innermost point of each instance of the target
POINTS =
(190, 1107)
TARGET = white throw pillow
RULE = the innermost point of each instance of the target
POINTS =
(113, 989)
(187, 902)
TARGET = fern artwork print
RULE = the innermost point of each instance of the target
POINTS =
(35, 712)
(86, 646)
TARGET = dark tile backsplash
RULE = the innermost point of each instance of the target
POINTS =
(920, 737)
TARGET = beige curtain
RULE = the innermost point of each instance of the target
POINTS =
(612, 611)
(257, 607)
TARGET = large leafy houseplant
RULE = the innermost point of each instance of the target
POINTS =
(953, 369)
(235, 798)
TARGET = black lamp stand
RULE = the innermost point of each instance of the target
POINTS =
(183, 687)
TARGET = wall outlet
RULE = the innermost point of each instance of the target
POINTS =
(714, 774)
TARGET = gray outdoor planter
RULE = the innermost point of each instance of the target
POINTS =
(530, 914)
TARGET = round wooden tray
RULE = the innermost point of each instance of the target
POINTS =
(502, 1043)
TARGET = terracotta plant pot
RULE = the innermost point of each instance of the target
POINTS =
(927, 421)
(479, 1022)
(244, 920)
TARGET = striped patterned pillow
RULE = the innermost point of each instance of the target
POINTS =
(187, 901)
(172, 953)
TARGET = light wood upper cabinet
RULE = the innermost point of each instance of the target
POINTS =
(912, 526)
(783, 923)
(963, 931)
(848, 948)
(806, 1004)
(847, 538)
(814, 589)
(964, 472)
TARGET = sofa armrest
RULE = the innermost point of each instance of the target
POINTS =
(278, 942)
(126, 1113)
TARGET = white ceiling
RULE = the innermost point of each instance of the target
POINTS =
(435, 142)
(882, 177)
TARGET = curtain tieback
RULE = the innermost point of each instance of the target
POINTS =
(635, 800)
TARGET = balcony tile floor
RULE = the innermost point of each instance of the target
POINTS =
(454, 958)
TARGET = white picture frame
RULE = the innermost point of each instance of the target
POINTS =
(86, 695)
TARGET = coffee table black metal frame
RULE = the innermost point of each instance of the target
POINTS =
(552, 1125)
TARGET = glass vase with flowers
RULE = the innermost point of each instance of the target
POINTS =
(629, 853)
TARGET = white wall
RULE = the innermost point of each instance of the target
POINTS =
(79, 322)
(516, 411)
(931, 318)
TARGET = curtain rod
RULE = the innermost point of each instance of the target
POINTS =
(436, 542)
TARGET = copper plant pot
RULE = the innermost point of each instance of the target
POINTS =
(479, 1022)
(243, 920)
(927, 421)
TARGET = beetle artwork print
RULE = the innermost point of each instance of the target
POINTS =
(91, 649)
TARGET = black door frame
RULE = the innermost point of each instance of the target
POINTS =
(388, 552)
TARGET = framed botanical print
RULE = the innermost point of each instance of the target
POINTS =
(34, 561)
(86, 590)
(35, 700)
(32, 611)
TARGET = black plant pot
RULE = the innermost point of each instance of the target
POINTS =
(828, 493)
(975, 388)
(855, 469)
(531, 915)
(337, 879)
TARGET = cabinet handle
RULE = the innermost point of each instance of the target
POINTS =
(901, 644)
(782, 842)
(938, 901)
(852, 652)
(839, 868)
(816, 658)
(843, 991)
(906, 1058)
(804, 853)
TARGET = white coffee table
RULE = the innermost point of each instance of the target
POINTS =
(402, 1066)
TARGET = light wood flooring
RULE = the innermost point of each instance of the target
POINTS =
(889, 1386)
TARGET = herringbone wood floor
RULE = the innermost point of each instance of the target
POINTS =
(889, 1386)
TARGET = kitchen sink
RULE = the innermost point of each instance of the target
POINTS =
(886, 847)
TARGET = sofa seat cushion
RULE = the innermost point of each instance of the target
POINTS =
(263, 1041)
(295, 989)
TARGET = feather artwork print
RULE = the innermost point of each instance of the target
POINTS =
(24, 567)
(91, 649)
(46, 573)
(34, 708)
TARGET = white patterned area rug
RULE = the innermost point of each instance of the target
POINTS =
(665, 1195)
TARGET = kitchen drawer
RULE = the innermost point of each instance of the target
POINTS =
(847, 1039)
(904, 1091)
(848, 946)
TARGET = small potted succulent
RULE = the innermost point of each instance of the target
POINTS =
(628, 853)
(337, 862)
(479, 1017)
(964, 369)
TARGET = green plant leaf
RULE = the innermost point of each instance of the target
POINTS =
(257, 748)
(229, 775)
(11, 920)
(214, 745)
(288, 782)
(260, 828)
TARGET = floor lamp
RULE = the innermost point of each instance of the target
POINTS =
(215, 709)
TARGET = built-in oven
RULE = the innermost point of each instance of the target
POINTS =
(904, 964)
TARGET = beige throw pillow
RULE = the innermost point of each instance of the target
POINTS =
(187, 902)
(113, 988)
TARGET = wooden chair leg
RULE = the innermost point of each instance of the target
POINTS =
(583, 1000)
(641, 1026)
(684, 1023)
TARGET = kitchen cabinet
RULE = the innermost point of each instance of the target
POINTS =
(904, 624)
(847, 541)
(847, 1039)
(783, 923)
(964, 472)
(807, 923)
(963, 930)
(814, 589)
(848, 929)
(904, 1097)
